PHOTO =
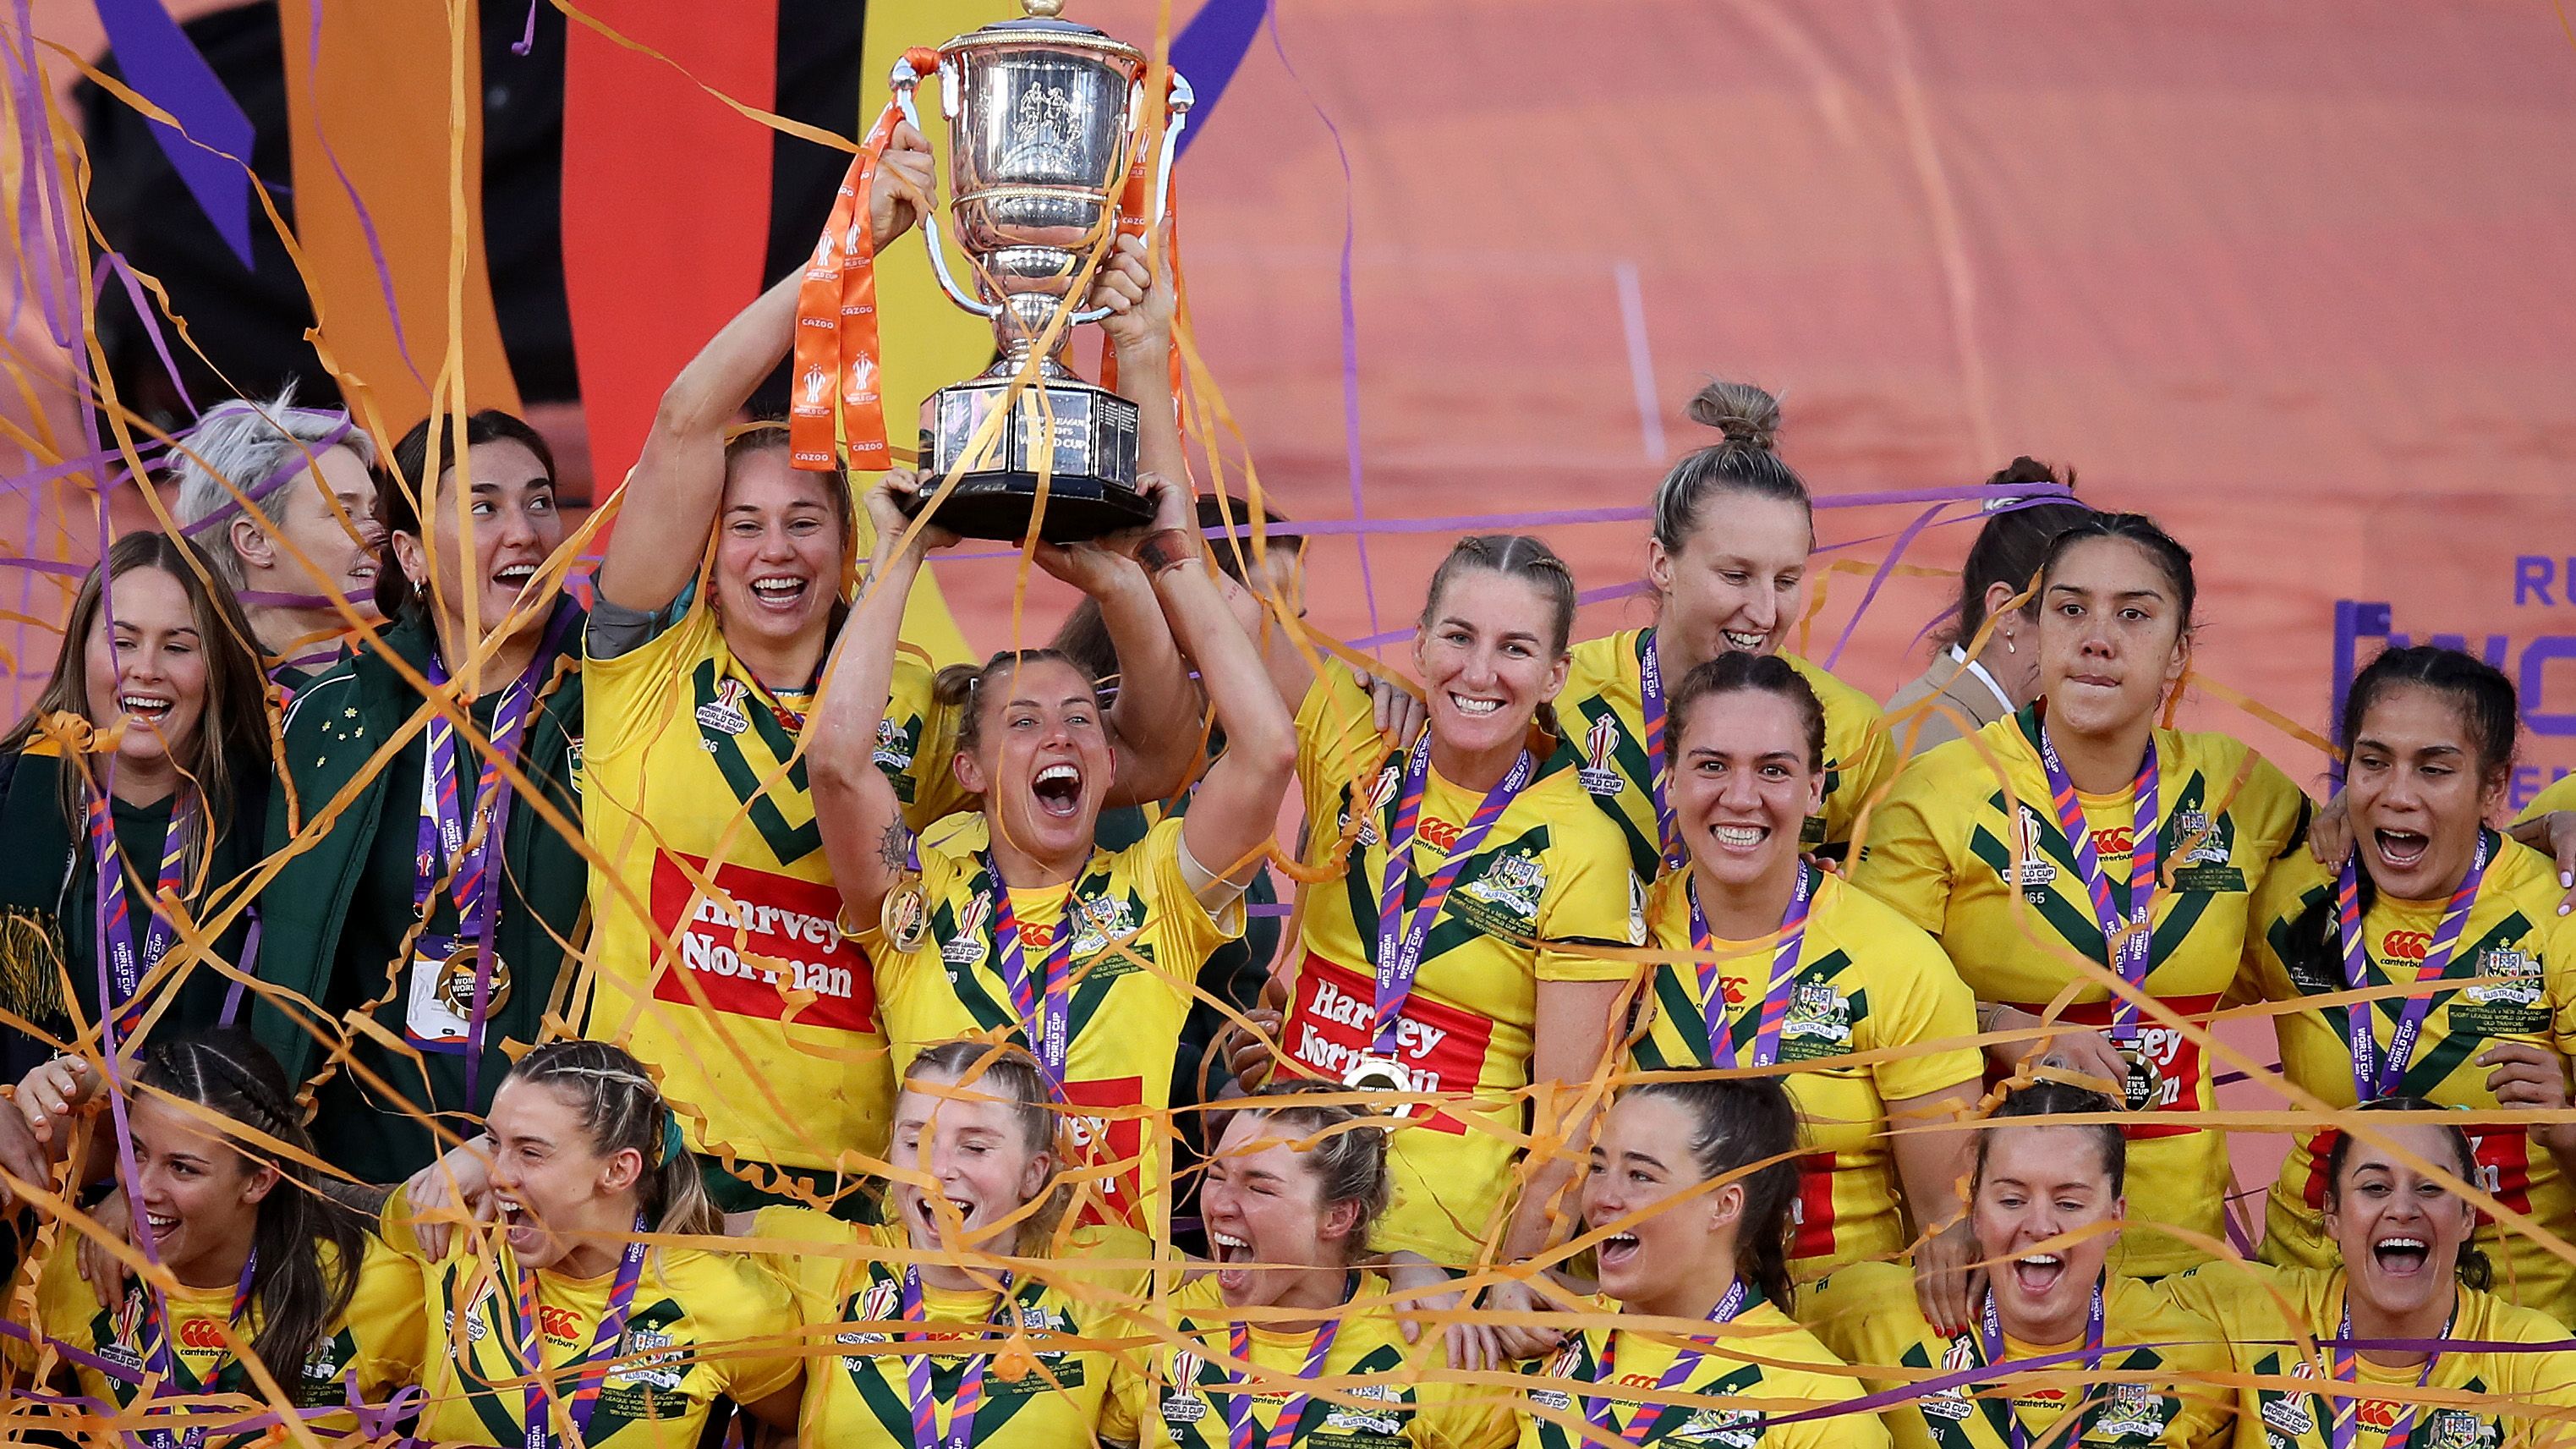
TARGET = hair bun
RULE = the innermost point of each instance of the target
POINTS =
(2027, 469)
(1748, 416)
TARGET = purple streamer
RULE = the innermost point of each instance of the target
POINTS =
(151, 323)
(1350, 319)
(210, 147)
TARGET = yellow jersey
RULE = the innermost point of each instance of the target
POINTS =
(1047, 1362)
(375, 1348)
(1549, 885)
(699, 1325)
(2157, 1377)
(685, 795)
(2512, 977)
(1984, 867)
(1142, 937)
(2472, 1400)
(2561, 795)
(1762, 1366)
(1603, 707)
(1171, 1395)
(1868, 981)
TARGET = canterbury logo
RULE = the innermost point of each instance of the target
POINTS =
(2406, 945)
(201, 1333)
(2116, 840)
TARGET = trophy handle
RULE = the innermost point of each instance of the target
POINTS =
(904, 81)
(1182, 98)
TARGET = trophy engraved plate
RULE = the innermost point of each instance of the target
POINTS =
(1043, 118)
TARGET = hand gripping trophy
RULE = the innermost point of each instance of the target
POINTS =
(1045, 120)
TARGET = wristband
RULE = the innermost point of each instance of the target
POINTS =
(1166, 549)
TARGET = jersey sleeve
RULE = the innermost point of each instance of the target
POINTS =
(1336, 738)
(2559, 796)
(751, 1322)
(1906, 862)
(918, 757)
(792, 1235)
(387, 1319)
(2271, 814)
(64, 1301)
(2279, 900)
(1926, 1005)
(1191, 932)
(1124, 1402)
(627, 698)
(1846, 1429)
(1460, 1416)
(1868, 761)
(2248, 1302)
(1115, 1262)
(892, 964)
(1593, 899)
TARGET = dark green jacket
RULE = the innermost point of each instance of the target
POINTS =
(335, 961)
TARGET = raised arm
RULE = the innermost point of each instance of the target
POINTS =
(1237, 806)
(669, 502)
(854, 804)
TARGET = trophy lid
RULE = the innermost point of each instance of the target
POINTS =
(1041, 24)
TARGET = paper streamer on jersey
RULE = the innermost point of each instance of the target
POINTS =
(56, 296)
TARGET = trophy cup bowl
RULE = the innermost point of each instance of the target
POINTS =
(1043, 117)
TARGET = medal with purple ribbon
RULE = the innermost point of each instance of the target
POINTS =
(1773, 1010)
(2343, 1414)
(2128, 939)
(1641, 1424)
(126, 965)
(1650, 695)
(1044, 1006)
(1991, 1335)
(2372, 1076)
(970, 1384)
(603, 1344)
(1239, 1428)
(162, 1360)
(1400, 941)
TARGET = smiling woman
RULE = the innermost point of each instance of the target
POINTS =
(436, 899)
(2405, 1281)
(2463, 917)
(2113, 847)
(142, 768)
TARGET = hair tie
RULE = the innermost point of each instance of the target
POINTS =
(673, 1145)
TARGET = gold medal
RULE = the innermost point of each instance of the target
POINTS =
(905, 918)
(456, 982)
(1379, 1074)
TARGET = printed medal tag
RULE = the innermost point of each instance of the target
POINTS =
(2139, 1084)
(439, 1001)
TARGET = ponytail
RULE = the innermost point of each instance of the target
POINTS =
(1747, 1129)
(621, 1109)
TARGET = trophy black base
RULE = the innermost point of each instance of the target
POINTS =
(1091, 485)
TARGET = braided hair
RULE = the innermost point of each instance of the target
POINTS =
(1349, 1162)
(620, 1108)
(299, 1294)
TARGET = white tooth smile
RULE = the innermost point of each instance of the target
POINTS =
(2043, 1260)
(1739, 834)
(1474, 706)
(1059, 772)
(778, 588)
(141, 703)
(1743, 641)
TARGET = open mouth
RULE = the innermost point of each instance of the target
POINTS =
(779, 591)
(1058, 789)
(514, 576)
(926, 1208)
(148, 708)
(2038, 1272)
(1739, 837)
(1472, 706)
(2401, 1255)
(2402, 849)
(160, 1227)
(1749, 643)
(363, 571)
(1619, 1250)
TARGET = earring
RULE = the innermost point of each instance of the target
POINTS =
(2009, 646)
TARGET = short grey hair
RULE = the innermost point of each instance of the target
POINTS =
(249, 444)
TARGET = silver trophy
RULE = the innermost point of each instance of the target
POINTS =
(1043, 119)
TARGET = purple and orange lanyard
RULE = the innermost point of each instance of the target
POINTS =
(2373, 1078)
(1774, 1009)
(1045, 1006)
(1991, 1336)
(970, 1385)
(127, 965)
(2128, 941)
(1400, 942)
(444, 834)
(1641, 1424)
(1239, 1428)
(161, 1360)
(2342, 1420)
(1650, 697)
(603, 1343)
